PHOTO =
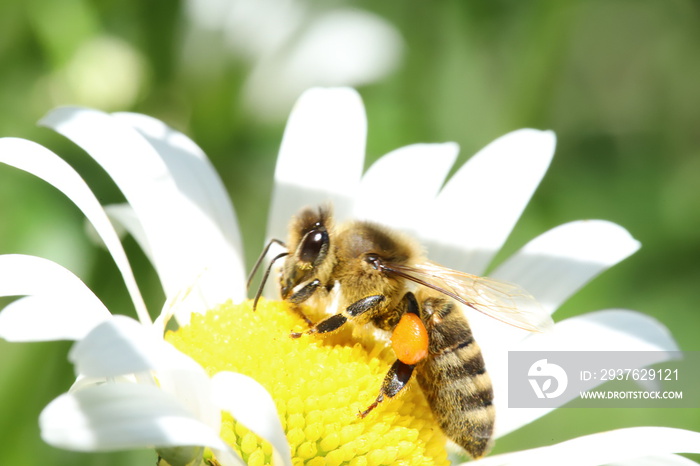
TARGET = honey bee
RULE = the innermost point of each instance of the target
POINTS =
(384, 279)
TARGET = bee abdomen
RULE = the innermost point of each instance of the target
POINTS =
(462, 373)
(453, 378)
(459, 392)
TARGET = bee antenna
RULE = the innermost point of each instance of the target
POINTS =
(265, 277)
(261, 257)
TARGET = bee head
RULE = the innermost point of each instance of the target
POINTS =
(309, 245)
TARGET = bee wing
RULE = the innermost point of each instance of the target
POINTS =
(503, 301)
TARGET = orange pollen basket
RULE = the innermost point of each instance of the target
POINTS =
(410, 339)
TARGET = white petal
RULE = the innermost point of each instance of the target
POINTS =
(121, 346)
(123, 216)
(191, 171)
(192, 387)
(342, 47)
(321, 156)
(44, 318)
(604, 448)
(43, 163)
(555, 265)
(610, 330)
(481, 203)
(252, 405)
(401, 184)
(59, 305)
(656, 460)
(82, 381)
(187, 243)
(122, 416)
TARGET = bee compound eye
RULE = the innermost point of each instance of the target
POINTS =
(314, 246)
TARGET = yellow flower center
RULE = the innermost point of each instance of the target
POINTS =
(319, 385)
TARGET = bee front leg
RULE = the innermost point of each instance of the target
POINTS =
(302, 295)
(395, 381)
(334, 322)
(305, 292)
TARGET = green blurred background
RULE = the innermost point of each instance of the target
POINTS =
(618, 81)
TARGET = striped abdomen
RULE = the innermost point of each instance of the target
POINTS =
(453, 377)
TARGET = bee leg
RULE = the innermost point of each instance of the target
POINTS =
(305, 292)
(328, 325)
(395, 381)
(297, 310)
(334, 322)
(302, 295)
(388, 319)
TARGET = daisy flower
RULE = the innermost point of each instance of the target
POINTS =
(157, 397)
(201, 386)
